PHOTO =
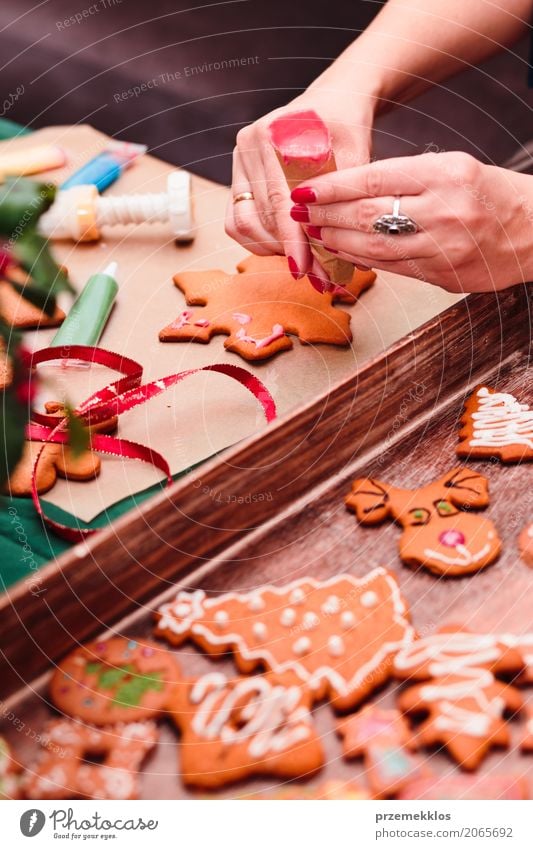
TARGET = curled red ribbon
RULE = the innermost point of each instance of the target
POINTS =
(118, 397)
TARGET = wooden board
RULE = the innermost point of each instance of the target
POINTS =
(397, 419)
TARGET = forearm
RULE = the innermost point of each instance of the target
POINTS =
(412, 44)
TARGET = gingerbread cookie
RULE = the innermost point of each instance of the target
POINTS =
(6, 367)
(55, 460)
(463, 703)
(496, 424)
(237, 728)
(337, 636)
(527, 737)
(62, 771)
(436, 534)
(332, 790)
(114, 680)
(380, 737)
(9, 773)
(466, 788)
(17, 311)
(525, 543)
(258, 307)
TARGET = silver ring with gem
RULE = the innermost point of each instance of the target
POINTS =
(395, 224)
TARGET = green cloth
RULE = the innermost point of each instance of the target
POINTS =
(26, 543)
(9, 129)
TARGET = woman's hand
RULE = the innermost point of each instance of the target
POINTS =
(263, 225)
(475, 221)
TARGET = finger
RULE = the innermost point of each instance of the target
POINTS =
(276, 210)
(362, 214)
(263, 247)
(243, 222)
(406, 175)
(258, 165)
(378, 247)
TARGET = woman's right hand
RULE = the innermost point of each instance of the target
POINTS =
(263, 225)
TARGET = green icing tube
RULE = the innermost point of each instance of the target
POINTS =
(88, 315)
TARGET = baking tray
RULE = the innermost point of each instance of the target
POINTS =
(396, 419)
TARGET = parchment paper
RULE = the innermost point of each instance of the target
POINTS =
(206, 413)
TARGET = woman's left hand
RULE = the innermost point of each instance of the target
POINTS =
(475, 221)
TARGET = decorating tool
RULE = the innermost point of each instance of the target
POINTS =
(88, 315)
(105, 168)
(31, 160)
(79, 213)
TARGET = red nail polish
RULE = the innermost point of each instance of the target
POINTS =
(319, 284)
(300, 213)
(331, 250)
(303, 194)
(293, 268)
(314, 232)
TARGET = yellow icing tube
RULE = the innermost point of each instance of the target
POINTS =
(31, 160)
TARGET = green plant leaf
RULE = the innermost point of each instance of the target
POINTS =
(78, 434)
(22, 202)
(47, 280)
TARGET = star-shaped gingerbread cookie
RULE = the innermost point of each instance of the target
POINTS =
(259, 308)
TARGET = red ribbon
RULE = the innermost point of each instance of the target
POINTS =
(116, 398)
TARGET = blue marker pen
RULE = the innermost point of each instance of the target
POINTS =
(107, 166)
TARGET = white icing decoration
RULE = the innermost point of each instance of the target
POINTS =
(500, 420)
(256, 603)
(287, 617)
(347, 619)
(465, 707)
(273, 719)
(336, 646)
(466, 557)
(221, 618)
(310, 620)
(331, 605)
(180, 613)
(301, 646)
(259, 630)
(369, 599)
(297, 596)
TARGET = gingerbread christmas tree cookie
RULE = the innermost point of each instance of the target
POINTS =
(338, 636)
(463, 704)
(260, 308)
(437, 534)
(496, 424)
(235, 728)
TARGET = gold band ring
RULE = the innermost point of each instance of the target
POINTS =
(243, 196)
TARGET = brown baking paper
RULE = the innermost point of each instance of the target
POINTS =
(208, 412)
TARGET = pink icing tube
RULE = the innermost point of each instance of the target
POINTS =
(304, 149)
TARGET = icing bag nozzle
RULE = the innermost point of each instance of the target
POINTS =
(80, 212)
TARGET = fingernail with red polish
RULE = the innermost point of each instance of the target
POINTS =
(300, 213)
(293, 268)
(318, 284)
(314, 232)
(303, 194)
(331, 250)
